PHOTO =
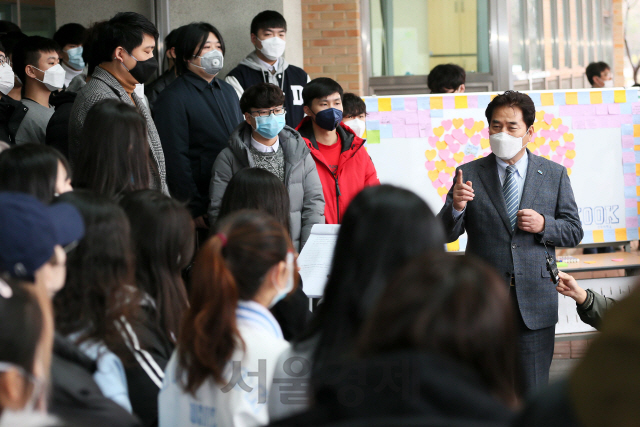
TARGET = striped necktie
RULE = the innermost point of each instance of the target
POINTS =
(510, 191)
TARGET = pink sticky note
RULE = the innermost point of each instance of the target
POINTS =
(629, 179)
(399, 131)
(630, 203)
(578, 123)
(411, 104)
(448, 102)
(373, 116)
(625, 118)
(566, 110)
(472, 101)
(635, 108)
(617, 259)
(627, 141)
(412, 131)
(632, 222)
(614, 108)
(385, 117)
(628, 157)
(411, 117)
(602, 110)
(424, 117)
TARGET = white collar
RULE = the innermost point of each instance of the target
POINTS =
(521, 165)
(265, 148)
(256, 315)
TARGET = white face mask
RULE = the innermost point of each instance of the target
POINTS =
(357, 125)
(53, 77)
(290, 282)
(505, 146)
(7, 79)
(608, 83)
(273, 48)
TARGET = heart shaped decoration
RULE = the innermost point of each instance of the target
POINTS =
(438, 131)
(440, 165)
(457, 123)
(433, 175)
(570, 154)
(458, 157)
(484, 143)
(469, 123)
(431, 154)
(446, 124)
(568, 137)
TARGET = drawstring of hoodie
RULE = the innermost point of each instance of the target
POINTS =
(264, 79)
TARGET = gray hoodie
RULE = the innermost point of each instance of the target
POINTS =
(300, 177)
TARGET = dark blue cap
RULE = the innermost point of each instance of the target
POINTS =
(29, 231)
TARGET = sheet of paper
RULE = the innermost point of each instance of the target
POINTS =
(316, 258)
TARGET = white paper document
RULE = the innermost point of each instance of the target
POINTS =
(316, 258)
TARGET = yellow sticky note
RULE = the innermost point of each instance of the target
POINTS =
(596, 97)
(453, 246)
(636, 131)
(493, 96)
(637, 169)
(384, 104)
(571, 98)
(638, 206)
(436, 102)
(461, 102)
(638, 190)
(636, 147)
(619, 96)
(621, 234)
(546, 98)
(598, 236)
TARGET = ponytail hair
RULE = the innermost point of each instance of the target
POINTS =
(230, 266)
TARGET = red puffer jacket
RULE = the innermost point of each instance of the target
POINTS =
(355, 170)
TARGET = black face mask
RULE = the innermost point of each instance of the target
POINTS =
(143, 70)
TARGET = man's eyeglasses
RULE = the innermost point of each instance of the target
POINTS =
(264, 113)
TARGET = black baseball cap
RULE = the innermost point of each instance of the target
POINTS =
(29, 231)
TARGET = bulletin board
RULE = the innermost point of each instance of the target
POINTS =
(416, 142)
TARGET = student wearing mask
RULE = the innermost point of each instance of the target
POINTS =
(153, 89)
(255, 188)
(599, 76)
(70, 38)
(11, 111)
(354, 113)
(343, 164)
(122, 54)
(36, 63)
(229, 341)
(35, 169)
(9, 41)
(267, 65)
(195, 116)
(264, 141)
(447, 78)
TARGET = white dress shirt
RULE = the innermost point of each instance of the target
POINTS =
(265, 148)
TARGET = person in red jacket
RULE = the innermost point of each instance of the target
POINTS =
(343, 164)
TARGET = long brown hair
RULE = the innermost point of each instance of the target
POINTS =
(163, 235)
(231, 266)
(454, 306)
(100, 274)
(114, 156)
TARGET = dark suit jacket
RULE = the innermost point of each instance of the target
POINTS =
(547, 190)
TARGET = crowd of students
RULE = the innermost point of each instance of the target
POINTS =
(148, 245)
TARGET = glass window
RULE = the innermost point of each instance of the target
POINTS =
(591, 27)
(554, 33)
(535, 32)
(517, 38)
(566, 17)
(410, 37)
(579, 19)
(34, 17)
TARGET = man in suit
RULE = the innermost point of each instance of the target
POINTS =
(511, 203)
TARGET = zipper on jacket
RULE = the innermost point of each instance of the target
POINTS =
(337, 197)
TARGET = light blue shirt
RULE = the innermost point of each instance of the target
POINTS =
(521, 173)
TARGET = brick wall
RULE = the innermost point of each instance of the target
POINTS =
(331, 41)
(618, 43)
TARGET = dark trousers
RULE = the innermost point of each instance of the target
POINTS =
(535, 351)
